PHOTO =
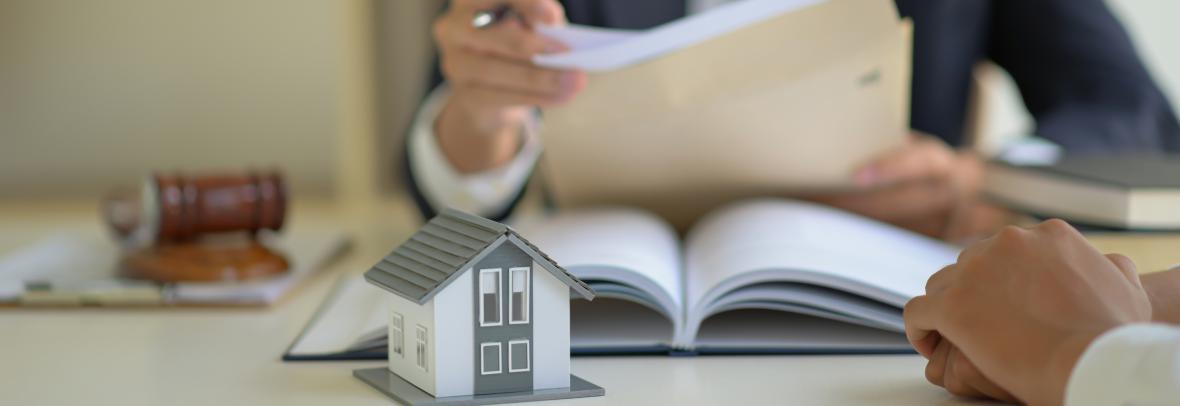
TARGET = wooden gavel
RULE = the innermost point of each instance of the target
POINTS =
(164, 228)
(176, 207)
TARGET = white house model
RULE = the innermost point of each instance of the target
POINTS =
(477, 311)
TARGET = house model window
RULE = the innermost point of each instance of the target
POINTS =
(489, 301)
(518, 305)
(421, 347)
(489, 359)
(397, 335)
(518, 356)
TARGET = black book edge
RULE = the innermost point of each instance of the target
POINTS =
(1055, 172)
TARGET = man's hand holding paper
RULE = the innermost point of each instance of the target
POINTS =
(494, 85)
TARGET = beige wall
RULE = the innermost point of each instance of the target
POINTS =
(96, 93)
(403, 59)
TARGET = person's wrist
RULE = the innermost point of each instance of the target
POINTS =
(483, 120)
(472, 143)
(1157, 287)
(1062, 360)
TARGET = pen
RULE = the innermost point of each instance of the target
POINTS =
(487, 18)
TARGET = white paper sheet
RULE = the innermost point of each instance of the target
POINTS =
(72, 258)
(596, 50)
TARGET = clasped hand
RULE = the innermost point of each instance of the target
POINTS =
(1013, 315)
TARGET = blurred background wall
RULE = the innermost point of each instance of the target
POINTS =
(96, 93)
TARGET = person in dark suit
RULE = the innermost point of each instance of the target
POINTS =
(1075, 65)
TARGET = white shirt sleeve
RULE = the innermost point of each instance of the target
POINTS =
(1131, 365)
(484, 193)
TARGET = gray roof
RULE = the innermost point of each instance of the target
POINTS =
(447, 245)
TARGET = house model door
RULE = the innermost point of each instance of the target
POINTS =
(503, 330)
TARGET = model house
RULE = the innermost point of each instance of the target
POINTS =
(477, 310)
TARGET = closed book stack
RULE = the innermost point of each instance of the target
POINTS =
(1139, 192)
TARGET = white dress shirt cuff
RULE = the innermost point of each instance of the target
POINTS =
(485, 193)
(1131, 365)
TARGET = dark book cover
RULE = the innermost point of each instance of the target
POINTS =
(1143, 171)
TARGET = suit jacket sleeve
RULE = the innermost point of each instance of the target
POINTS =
(1080, 76)
(407, 169)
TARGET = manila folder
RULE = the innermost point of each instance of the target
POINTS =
(789, 104)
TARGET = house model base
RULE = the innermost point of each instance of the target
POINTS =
(406, 393)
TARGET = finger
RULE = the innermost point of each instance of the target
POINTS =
(920, 327)
(465, 69)
(533, 11)
(965, 371)
(1127, 267)
(510, 40)
(954, 383)
(548, 12)
(940, 279)
(936, 368)
(925, 158)
(901, 204)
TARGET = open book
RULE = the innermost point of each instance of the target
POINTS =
(760, 276)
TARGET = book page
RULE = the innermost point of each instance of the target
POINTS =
(754, 331)
(773, 240)
(613, 326)
(613, 245)
(598, 50)
(355, 312)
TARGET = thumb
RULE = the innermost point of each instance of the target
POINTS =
(1127, 267)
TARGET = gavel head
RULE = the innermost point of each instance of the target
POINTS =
(176, 207)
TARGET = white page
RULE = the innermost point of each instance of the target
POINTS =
(581, 37)
(816, 301)
(752, 330)
(599, 50)
(64, 257)
(766, 240)
(608, 324)
(83, 257)
(617, 244)
(354, 308)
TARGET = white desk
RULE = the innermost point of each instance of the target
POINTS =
(231, 356)
(227, 356)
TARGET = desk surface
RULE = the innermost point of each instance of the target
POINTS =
(231, 356)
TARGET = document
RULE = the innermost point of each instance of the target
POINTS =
(754, 98)
(597, 49)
